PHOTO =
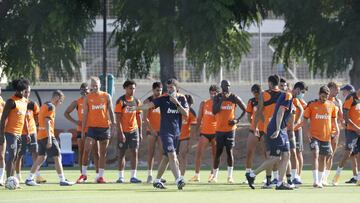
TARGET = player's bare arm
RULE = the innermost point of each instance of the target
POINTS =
(242, 106)
(111, 111)
(8, 106)
(68, 112)
(259, 113)
(218, 99)
(279, 118)
(48, 132)
(85, 115)
(199, 118)
(138, 120)
(301, 114)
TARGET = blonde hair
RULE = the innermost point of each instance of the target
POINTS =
(95, 79)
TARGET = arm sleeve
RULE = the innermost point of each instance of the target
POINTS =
(158, 101)
(286, 100)
(183, 102)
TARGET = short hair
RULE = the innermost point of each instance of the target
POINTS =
(84, 85)
(156, 85)
(282, 80)
(214, 88)
(20, 84)
(274, 79)
(189, 99)
(324, 90)
(172, 81)
(332, 85)
(127, 83)
(58, 93)
(301, 85)
(256, 88)
(95, 79)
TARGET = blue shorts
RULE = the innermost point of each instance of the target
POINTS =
(169, 142)
(278, 145)
(351, 139)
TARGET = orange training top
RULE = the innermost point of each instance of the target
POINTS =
(98, 110)
(333, 130)
(128, 120)
(320, 115)
(269, 98)
(226, 114)
(80, 112)
(31, 113)
(154, 116)
(186, 123)
(303, 104)
(208, 120)
(16, 118)
(352, 104)
(47, 111)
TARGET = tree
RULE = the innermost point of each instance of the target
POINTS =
(212, 32)
(46, 34)
(325, 33)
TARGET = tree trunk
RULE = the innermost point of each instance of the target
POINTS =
(355, 73)
(166, 46)
(167, 71)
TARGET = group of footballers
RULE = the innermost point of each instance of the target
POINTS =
(278, 119)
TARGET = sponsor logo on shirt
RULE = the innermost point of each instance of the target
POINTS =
(128, 110)
(21, 112)
(322, 116)
(227, 107)
(208, 113)
(98, 107)
(172, 111)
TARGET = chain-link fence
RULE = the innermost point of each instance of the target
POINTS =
(251, 69)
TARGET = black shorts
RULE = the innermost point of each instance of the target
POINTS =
(324, 148)
(210, 137)
(351, 138)
(98, 134)
(54, 150)
(148, 133)
(32, 146)
(225, 139)
(180, 142)
(78, 135)
(131, 141)
(299, 140)
(357, 148)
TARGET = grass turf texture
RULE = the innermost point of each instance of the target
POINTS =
(193, 192)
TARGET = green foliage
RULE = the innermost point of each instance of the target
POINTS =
(46, 34)
(212, 31)
(323, 32)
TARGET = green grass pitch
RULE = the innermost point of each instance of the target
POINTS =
(193, 192)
